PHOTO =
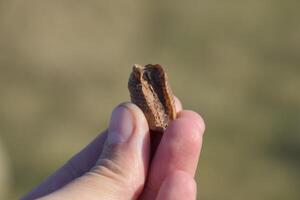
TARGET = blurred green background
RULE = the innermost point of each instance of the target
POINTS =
(64, 65)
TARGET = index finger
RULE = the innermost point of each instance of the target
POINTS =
(179, 149)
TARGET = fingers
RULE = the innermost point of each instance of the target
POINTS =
(75, 167)
(156, 137)
(179, 149)
(194, 118)
(177, 186)
(121, 169)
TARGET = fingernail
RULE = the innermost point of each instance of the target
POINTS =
(120, 126)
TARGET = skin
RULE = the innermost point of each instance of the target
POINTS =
(135, 168)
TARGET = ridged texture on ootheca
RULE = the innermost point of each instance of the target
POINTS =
(149, 89)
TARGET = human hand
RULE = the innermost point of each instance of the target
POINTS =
(117, 164)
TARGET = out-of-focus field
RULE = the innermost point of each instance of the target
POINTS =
(64, 65)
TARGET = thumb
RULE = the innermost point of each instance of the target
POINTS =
(124, 159)
(121, 169)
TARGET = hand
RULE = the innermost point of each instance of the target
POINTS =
(118, 163)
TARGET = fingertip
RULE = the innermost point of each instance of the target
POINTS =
(182, 143)
(193, 117)
(185, 131)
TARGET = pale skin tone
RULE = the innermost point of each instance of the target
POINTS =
(118, 163)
